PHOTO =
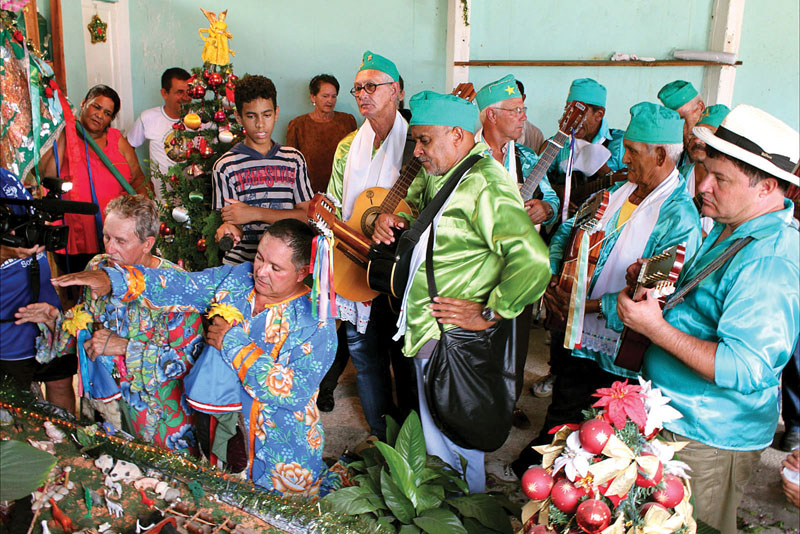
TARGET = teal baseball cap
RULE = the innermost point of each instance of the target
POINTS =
(432, 108)
(497, 91)
(713, 115)
(371, 60)
(588, 91)
(651, 123)
(677, 93)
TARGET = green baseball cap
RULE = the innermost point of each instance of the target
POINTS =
(713, 115)
(497, 91)
(588, 91)
(431, 108)
(371, 60)
(677, 93)
(651, 123)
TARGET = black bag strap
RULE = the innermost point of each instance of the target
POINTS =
(432, 291)
(735, 247)
(426, 216)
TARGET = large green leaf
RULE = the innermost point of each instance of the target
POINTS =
(511, 507)
(474, 526)
(409, 529)
(429, 496)
(428, 474)
(440, 521)
(24, 468)
(372, 456)
(398, 504)
(392, 429)
(386, 524)
(401, 472)
(374, 495)
(411, 444)
(485, 509)
(350, 501)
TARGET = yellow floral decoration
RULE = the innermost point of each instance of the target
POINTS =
(76, 320)
(228, 312)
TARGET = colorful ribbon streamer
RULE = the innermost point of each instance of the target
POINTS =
(323, 297)
(577, 299)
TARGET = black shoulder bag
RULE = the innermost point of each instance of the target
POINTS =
(470, 380)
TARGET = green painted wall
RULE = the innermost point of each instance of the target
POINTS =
(291, 42)
(769, 77)
(586, 29)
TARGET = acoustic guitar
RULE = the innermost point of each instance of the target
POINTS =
(659, 272)
(586, 220)
(350, 268)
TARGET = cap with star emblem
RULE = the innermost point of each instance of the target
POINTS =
(497, 91)
(713, 115)
(588, 91)
(374, 61)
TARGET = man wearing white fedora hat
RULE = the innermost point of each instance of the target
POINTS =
(718, 353)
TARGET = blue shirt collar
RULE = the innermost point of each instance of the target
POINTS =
(603, 133)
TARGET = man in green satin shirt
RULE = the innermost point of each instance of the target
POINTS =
(489, 261)
(718, 354)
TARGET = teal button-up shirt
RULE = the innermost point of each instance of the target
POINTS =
(677, 222)
(751, 307)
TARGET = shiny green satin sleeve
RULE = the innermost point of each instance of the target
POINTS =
(336, 183)
(486, 249)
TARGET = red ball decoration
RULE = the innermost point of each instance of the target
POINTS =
(173, 178)
(197, 91)
(538, 529)
(593, 516)
(180, 263)
(565, 496)
(214, 80)
(232, 78)
(220, 116)
(646, 506)
(165, 230)
(594, 434)
(201, 244)
(207, 151)
(206, 74)
(537, 483)
(671, 494)
(643, 481)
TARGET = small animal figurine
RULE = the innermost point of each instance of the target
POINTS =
(61, 518)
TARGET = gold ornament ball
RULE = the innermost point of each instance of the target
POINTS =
(192, 121)
(225, 136)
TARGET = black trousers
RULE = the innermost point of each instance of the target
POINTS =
(576, 380)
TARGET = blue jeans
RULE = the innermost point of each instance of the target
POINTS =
(371, 360)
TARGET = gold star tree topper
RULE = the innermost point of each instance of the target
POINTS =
(215, 37)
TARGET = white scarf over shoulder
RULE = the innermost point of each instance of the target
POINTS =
(362, 170)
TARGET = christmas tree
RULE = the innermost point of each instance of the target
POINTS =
(207, 131)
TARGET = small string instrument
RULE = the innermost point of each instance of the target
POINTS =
(586, 220)
(659, 272)
(349, 267)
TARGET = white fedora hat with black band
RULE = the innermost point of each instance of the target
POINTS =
(756, 137)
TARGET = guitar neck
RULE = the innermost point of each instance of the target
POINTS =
(400, 188)
(554, 146)
(581, 192)
(351, 239)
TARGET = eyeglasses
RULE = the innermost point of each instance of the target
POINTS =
(369, 87)
(516, 111)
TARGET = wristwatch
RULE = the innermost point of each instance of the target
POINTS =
(488, 314)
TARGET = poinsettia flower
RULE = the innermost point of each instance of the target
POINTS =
(574, 459)
(666, 455)
(658, 412)
(622, 400)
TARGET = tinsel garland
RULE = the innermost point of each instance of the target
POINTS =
(292, 515)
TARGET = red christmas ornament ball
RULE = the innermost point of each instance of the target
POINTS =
(671, 494)
(220, 116)
(180, 263)
(205, 74)
(178, 125)
(646, 506)
(214, 80)
(537, 483)
(565, 496)
(197, 91)
(232, 78)
(538, 529)
(173, 178)
(593, 516)
(201, 244)
(165, 230)
(594, 434)
(643, 481)
(207, 151)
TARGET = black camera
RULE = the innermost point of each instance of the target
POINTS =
(30, 229)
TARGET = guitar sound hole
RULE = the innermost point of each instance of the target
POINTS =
(368, 220)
